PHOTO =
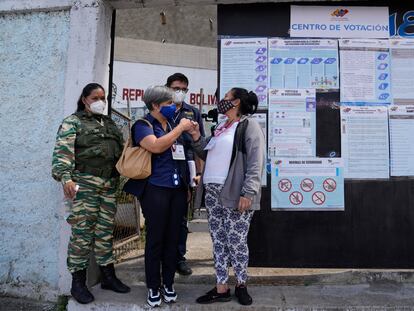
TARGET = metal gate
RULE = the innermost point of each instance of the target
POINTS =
(127, 219)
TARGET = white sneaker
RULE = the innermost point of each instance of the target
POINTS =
(168, 294)
(154, 298)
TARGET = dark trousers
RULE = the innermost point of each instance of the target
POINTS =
(163, 209)
(182, 239)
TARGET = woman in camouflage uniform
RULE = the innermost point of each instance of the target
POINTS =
(88, 145)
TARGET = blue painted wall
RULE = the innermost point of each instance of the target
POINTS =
(33, 54)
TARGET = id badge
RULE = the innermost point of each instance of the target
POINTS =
(178, 152)
(210, 144)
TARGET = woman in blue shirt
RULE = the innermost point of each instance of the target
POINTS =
(164, 197)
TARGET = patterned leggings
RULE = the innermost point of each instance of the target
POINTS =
(228, 230)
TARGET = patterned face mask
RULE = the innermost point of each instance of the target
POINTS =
(224, 105)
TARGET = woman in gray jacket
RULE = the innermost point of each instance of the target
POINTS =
(234, 157)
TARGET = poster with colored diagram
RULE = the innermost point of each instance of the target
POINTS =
(303, 184)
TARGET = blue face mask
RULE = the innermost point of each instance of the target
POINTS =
(168, 111)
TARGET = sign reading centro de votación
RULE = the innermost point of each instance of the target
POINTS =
(339, 22)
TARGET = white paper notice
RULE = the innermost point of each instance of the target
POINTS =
(301, 64)
(402, 71)
(365, 71)
(402, 140)
(243, 63)
(292, 123)
(364, 141)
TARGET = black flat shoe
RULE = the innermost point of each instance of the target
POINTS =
(243, 296)
(184, 269)
(213, 296)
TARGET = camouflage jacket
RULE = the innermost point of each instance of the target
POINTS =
(64, 154)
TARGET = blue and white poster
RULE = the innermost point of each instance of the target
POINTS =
(292, 123)
(365, 71)
(243, 63)
(307, 184)
(303, 63)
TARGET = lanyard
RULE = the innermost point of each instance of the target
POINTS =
(178, 114)
(224, 128)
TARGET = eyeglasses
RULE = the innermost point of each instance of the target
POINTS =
(177, 89)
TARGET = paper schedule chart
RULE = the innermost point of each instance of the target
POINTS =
(402, 70)
(243, 63)
(402, 140)
(365, 71)
(297, 63)
(364, 141)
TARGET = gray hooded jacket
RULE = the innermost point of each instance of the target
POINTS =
(246, 166)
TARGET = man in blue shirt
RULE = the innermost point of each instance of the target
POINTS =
(178, 82)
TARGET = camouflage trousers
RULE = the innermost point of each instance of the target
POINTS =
(92, 220)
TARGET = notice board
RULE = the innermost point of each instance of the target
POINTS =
(377, 226)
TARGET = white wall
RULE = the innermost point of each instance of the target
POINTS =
(49, 49)
(131, 80)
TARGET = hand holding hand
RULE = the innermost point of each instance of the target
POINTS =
(244, 204)
(69, 189)
(197, 179)
(185, 124)
(195, 131)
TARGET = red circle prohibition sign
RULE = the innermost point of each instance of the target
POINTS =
(318, 198)
(307, 185)
(296, 198)
(285, 185)
(329, 185)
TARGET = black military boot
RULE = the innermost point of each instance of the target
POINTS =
(110, 281)
(79, 291)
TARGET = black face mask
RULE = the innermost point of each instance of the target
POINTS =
(224, 105)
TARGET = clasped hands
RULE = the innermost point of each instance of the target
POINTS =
(191, 127)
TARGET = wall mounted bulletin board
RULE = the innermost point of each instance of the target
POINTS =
(375, 226)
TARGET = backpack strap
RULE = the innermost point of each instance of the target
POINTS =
(239, 141)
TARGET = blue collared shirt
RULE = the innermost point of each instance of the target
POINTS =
(163, 164)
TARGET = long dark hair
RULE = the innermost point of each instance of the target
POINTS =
(87, 90)
(248, 100)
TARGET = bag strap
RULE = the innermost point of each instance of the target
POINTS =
(130, 138)
(145, 120)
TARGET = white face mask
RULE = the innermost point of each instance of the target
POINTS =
(179, 97)
(97, 107)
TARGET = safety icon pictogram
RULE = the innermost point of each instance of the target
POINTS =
(318, 198)
(307, 185)
(285, 185)
(329, 185)
(296, 198)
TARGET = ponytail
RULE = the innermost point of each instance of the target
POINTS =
(248, 100)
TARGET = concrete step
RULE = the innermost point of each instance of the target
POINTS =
(198, 225)
(200, 214)
(133, 273)
(382, 296)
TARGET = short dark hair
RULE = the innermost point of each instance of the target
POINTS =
(177, 77)
(87, 90)
(248, 100)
